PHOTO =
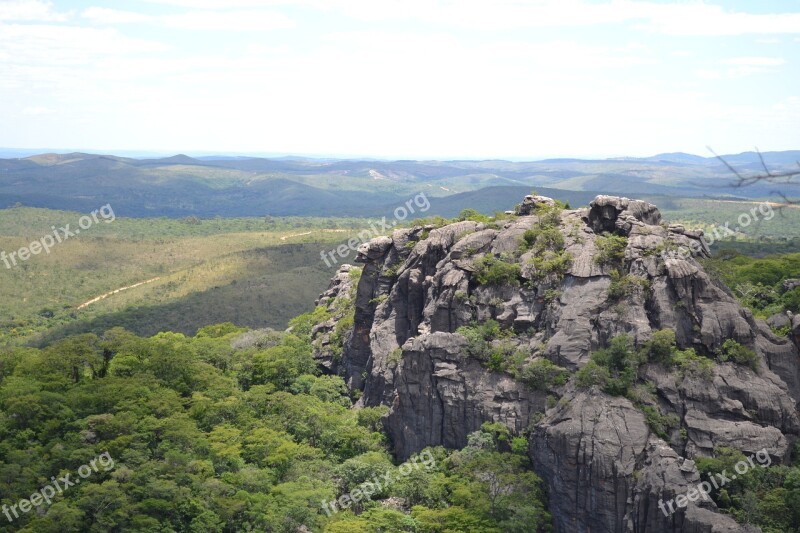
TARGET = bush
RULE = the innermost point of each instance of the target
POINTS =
(659, 423)
(621, 364)
(689, 363)
(549, 216)
(473, 215)
(624, 286)
(660, 347)
(519, 445)
(543, 374)
(741, 355)
(302, 325)
(791, 300)
(371, 417)
(592, 374)
(550, 265)
(541, 238)
(258, 338)
(490, 345)
(610, 250)
(479, 336)
(501, 355)
(490, 270)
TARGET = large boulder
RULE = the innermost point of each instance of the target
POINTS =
(533, 202)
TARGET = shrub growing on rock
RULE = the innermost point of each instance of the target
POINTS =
(610, 250)
(742, 355)
(543, 374)
(491, 270)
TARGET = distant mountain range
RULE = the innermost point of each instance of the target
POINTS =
(226, 186)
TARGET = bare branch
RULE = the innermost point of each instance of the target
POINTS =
(784, 177)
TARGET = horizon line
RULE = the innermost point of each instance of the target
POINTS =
(23, 153)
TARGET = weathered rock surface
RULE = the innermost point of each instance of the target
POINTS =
(604, 468)
(780, 320)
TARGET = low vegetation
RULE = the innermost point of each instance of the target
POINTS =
(549, 267)
(615, 370)
(612, 369)
(610, 251)
(493, 270)
(488, 343)
(494, 347)
(758, 282)
(542, 374)
(767, 496)
(549, 262)
(735, 352)
(626, 285)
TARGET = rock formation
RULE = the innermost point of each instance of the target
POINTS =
(605, 468)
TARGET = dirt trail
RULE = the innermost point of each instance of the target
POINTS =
(295, 235)
(310, 232)
(772, 204)
(106, 295)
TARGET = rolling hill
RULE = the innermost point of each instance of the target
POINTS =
(181, 185)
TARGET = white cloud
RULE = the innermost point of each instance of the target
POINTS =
(677, 18)
(695, 18)
(60, 60)
(249, 20)
(700, 19)
(708, 74)
(228, 20)
(755, 61)
(37, 110)
(29, 10)
(740, 67)
(226, 4)
(103, 15)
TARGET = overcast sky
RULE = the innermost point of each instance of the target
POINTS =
(403, 79)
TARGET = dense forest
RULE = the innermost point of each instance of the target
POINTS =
(231, 430)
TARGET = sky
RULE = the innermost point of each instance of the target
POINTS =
(512, 79)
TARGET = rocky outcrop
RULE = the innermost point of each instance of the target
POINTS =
(531, 202)
(606, 470)
(790, 284)
(341, 287)
(612, 213)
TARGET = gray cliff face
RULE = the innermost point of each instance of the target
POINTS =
(604, 468)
